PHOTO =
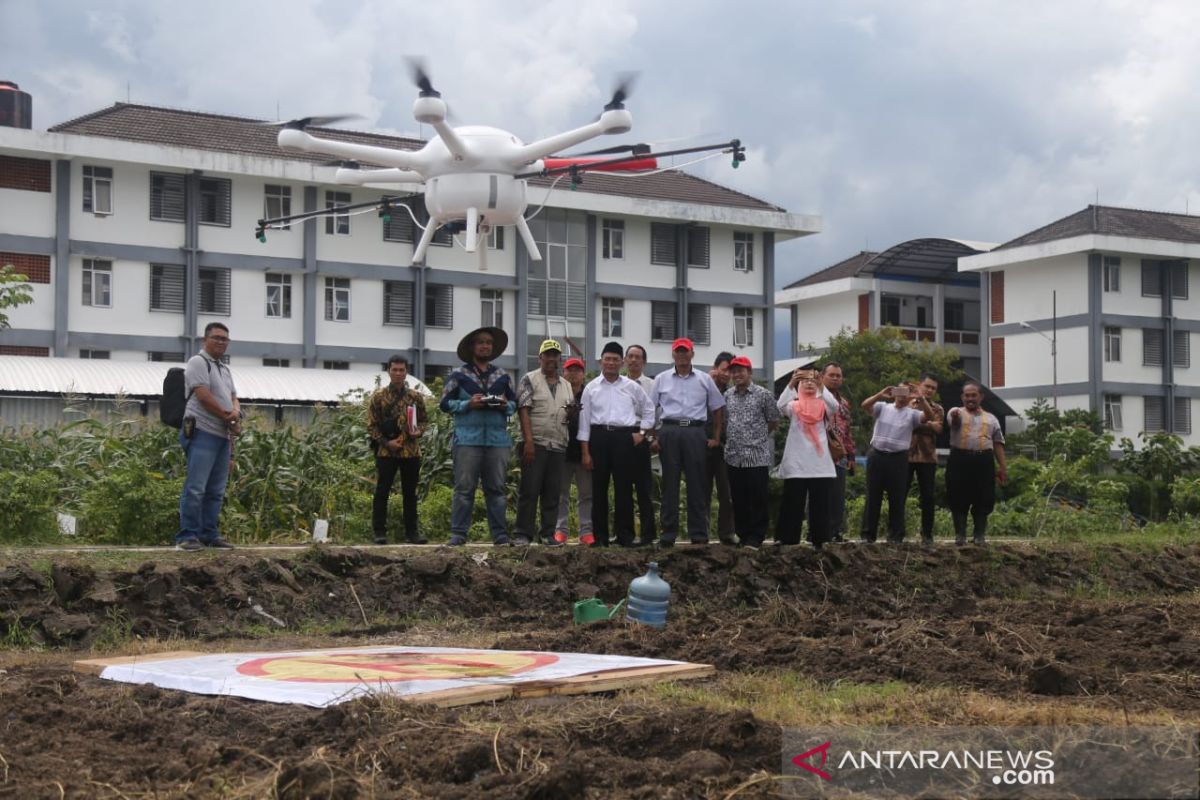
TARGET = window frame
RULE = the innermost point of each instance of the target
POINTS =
(612, 317)
(1147, 336)
(668, 335)
(492, 299)
(282, 281)
(335, 222)
(696, 249)
(1184, 362)
(697, 335)
(222, 293)
(280, 363)
(90, 181)
(745, 316)
(92, 354)
(171, 181)
(391, 288)
(334, 364)
(658, 250)
(1113, 422)
(432, 301)
(283, 196)
(1162, 419)
(334, 289)
(1112, 336)
(612, 239)
(1111, 271)
(220, 190)
(1178, 419)
(92, 269)
(743, 251)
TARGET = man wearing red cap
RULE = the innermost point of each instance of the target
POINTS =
(684, 398)
(751, 416)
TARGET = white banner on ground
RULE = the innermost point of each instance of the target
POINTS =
(326, 677)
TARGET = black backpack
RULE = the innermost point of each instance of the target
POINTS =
(175, 398)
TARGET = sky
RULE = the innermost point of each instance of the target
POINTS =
(975, 119)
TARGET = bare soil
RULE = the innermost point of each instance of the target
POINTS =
(1109, 627)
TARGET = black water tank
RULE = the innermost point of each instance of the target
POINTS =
(16, 107)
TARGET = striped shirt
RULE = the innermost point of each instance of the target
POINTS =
(894, 427)
(976, 432)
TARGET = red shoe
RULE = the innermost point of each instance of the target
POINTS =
(587, 540)
(560, 537)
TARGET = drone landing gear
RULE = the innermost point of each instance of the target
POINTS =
(527, 237)
(423, 245)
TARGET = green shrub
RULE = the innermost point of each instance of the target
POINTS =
(28, 502)
(131, 507)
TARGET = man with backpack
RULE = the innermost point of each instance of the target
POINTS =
(212, 417)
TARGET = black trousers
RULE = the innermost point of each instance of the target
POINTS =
(749, 491)
(925, 474)
(887, 473)
(800, 494)
(410, 474)
(541, 485)
(684, 451)
(837, 506)
(612, 461)
(717, 474)
(643, 485)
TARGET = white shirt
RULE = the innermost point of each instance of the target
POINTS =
(801, 459)
(645, 381)
(689, 396)
(621, 403)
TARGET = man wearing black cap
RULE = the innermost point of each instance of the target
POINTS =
(480, 396)
(616, 418)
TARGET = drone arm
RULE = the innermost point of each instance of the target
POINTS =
(553, 144)
(293, 139)
(362, 177)
(452, 140)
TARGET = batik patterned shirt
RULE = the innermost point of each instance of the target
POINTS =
(389, 407)
(748, 416)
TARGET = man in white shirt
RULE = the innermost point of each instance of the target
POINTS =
(683, 398)
(887, 461)
(615, 419)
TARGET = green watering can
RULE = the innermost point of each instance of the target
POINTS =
(594, 610)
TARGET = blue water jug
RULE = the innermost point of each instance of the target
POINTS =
(649, 597)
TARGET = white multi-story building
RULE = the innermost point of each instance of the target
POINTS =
(1108, 291)
(136, 227)
(914, 286)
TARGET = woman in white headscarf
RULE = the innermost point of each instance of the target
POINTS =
(807, 467)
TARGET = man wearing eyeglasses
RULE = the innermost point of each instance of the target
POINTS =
(211, 419)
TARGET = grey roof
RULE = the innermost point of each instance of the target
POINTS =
(843, 269)
(32, 375)
(220, 133)
(1110, 221)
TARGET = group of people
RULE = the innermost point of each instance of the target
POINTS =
(712, 431)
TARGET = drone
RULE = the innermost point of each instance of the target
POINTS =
(474, 177)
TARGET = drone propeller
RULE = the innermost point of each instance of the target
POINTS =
(303, 122)
(624, 86)
(420, 76)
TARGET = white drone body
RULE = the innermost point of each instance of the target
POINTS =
(469, 173)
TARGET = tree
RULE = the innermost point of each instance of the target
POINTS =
(873, 359)
(1046, 420)
(13, 291)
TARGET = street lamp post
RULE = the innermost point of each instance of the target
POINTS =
(1053, 340)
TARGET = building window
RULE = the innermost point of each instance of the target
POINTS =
(279, 295)
(557, 284)
(1112, 412)
(956, 315)
(97, 283)
(1177, 272)
(439, 305)
(1112, 274)
(335, 364)
(1183, 416)
(612, 239)
(663, 321)
(166, 288)
(397, 303)
(212, 291)
(102, 355)
(1112, 344)
(1150, 280)
(215, 198)
(172, 356)
(1153, 413)
(491, 308)
(662, 244)
(166, 197)
(337, 299)
(743, 251)
(698, 323)
(337, 224)
(889, 310)
(276, 362)
(1181, 349)
(399, 225)
(277, 202)
(97, 190)
(697, 246)
(743, 327)
(612, 317)
(495, 239)
(1152, 347)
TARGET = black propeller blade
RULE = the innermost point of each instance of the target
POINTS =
(625, 82)
(420, 77)
(303, 122)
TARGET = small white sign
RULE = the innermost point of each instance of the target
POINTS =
(66, 524)
(321, 530)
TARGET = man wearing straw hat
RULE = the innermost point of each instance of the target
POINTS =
(480, 396)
